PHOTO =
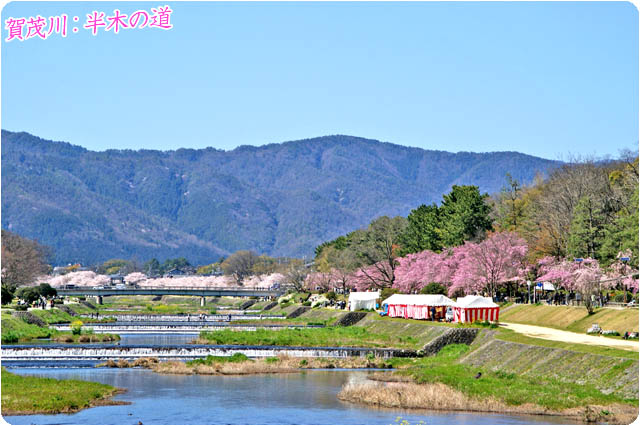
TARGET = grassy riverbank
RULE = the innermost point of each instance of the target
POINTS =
(239, 364)
(313, 337)
(572, 318)
(15, 329)
(35, 395)
(442, 382)
(85, 338)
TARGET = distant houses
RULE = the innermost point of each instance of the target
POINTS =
(180, 272)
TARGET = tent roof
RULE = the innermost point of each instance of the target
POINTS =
(475, 302)
(418, 299)
(364, 295)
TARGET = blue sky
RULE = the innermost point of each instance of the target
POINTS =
(545, 78)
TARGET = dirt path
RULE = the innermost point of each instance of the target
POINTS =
(570, 337)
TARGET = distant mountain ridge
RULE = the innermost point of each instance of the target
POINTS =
(279, 199)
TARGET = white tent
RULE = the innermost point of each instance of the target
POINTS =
(417, 306)
(363, 300)
(418, 299)
(475, 308)
(548, 286)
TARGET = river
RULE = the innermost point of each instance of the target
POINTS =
(308, 397)
(299, 398)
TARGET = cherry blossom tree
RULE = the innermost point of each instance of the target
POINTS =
(585, 277)
(417, 270)
(622, 273)
(483, 266)
(333, 279)
(374, 277)
(79, 278)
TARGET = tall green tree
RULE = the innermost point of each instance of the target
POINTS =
(622, 233)
(423, 230)
(177, 263)
(464, 215)
(152, 267)
(587, 229)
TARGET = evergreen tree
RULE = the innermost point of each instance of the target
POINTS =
(587, 229)
(464, 215)
(622, 234)
(422, 231)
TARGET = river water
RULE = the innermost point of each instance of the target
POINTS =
(308, 397)
(298, 398)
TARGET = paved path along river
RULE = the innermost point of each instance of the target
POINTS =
(569, 337)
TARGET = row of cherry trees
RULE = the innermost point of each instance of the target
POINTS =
(482, 267)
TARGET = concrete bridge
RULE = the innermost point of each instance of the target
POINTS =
(99, 293)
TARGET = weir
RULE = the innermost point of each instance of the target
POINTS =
(185, 318)
(105, 352)
(165, 327)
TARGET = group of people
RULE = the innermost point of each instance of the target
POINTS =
(201, 317)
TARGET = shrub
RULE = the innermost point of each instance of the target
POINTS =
(213, 312)
(76, 328)
(21, 307)
(307, 303)
(271, 360)
(303, 363)
(10, 337)
(331, 295)
(433, 288)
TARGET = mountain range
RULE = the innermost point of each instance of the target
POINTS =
(278, 199)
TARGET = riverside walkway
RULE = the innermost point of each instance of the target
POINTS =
(570, 337)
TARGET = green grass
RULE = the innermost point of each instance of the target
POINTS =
(15, 329)
(30, 395)
(52, 316)
(329, 336)
(210, 360)
(85, 337)
(512, 336)
(511, 388)
(572, 318)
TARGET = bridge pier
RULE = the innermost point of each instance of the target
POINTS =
(99, 300)
(203, 301)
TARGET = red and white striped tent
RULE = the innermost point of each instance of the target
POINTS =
(417, 306)
(475, 308)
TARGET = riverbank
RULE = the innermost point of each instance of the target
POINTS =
(35, 395)
(572, 318)
(443, 382)
(313, 337)
(239, 364)
(440, 397)
(23, 326)
(85, 338)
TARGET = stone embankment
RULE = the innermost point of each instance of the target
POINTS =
(450, 337)
(608, 374)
